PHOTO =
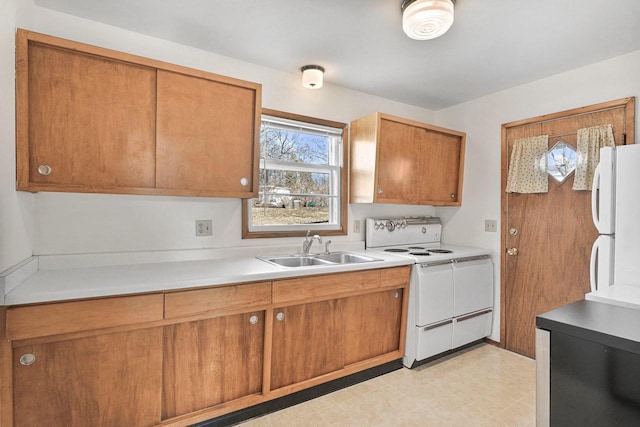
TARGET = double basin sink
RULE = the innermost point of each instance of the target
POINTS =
(335, 258)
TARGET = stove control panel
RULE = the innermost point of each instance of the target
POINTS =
(403, 230)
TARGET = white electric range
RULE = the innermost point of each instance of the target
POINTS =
(451, 287)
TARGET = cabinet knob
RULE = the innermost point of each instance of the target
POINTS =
(453, 195)
(244, 181)
(44, 170)
(379, 190)
(27, 359)
(396, 294)
(253, 319)
(280, 316)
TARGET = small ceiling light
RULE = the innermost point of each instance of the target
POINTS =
(426, 19)
(312, 76)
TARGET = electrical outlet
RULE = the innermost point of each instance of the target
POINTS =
(204, 227)
(490, 225)
(356, 226)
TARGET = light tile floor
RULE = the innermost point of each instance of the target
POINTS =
(481, 386)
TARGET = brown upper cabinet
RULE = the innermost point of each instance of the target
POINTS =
(395, 160)
(95, 120)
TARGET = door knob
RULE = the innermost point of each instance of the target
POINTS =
(512, 251)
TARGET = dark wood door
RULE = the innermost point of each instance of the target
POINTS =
(308, 341)
(552, 232)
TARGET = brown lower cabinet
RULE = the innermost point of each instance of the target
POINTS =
(110, 380)
(208, 362)
(193, 355)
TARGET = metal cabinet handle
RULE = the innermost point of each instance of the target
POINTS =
(253, 319)
(27, 359)
(453, 195)
(44, 170)
(379, 190)
(396, 294)
(244, 181)
(280, 316)
(512, 251)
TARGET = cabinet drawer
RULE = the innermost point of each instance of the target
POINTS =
(59, 318)
(325, 286)
(222, 299)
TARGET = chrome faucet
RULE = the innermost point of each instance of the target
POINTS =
(306, 245)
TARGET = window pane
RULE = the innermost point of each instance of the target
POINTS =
(281, 144)
(291, 182)
(299, 210)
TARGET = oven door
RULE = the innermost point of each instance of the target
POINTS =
(473, 284)
(434, 292)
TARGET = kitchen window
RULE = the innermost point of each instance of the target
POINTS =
(302, 178)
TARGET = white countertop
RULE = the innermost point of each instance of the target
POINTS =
(620, 295)
(59, 284)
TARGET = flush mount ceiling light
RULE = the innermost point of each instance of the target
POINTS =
(426, 19)
(312, 76)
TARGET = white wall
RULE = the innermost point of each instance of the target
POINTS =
(482, 120)
(15, 210)
(95, 223)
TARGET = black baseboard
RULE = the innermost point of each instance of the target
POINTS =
(300, 396)
(417, 363)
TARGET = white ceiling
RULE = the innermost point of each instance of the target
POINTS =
(492, 45)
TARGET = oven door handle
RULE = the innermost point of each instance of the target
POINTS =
(434, 263)
(471, 258)
(436, 325)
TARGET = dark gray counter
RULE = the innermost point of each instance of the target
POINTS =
(607, 324)
(593, 365)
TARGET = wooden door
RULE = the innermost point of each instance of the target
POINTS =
(206, 135)
(397, 163)
(105, 380)
(551, 232)
(372, 325)
(439, 168)
(308, 342)
(208, 362)
(90, 119)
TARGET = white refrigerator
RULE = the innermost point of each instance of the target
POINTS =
(615, 205)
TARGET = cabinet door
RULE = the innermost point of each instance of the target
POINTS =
(206, 135)
(398, 152)
(108, 380)
(439, 168)
(308, 341)
(208, 362)
(372, 325)
(91, 120)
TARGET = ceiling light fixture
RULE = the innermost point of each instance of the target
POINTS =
(312, 76)
(426, 19)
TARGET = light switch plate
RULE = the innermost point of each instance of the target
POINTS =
(490, 225)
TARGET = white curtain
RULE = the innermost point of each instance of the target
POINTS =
(590, 140)
(527, 171)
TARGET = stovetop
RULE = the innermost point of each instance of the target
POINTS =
(414, 237)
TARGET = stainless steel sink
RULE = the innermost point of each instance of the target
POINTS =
(296, 261)
(345, 258)
(336, 258)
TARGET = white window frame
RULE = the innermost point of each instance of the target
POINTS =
(334, 170)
